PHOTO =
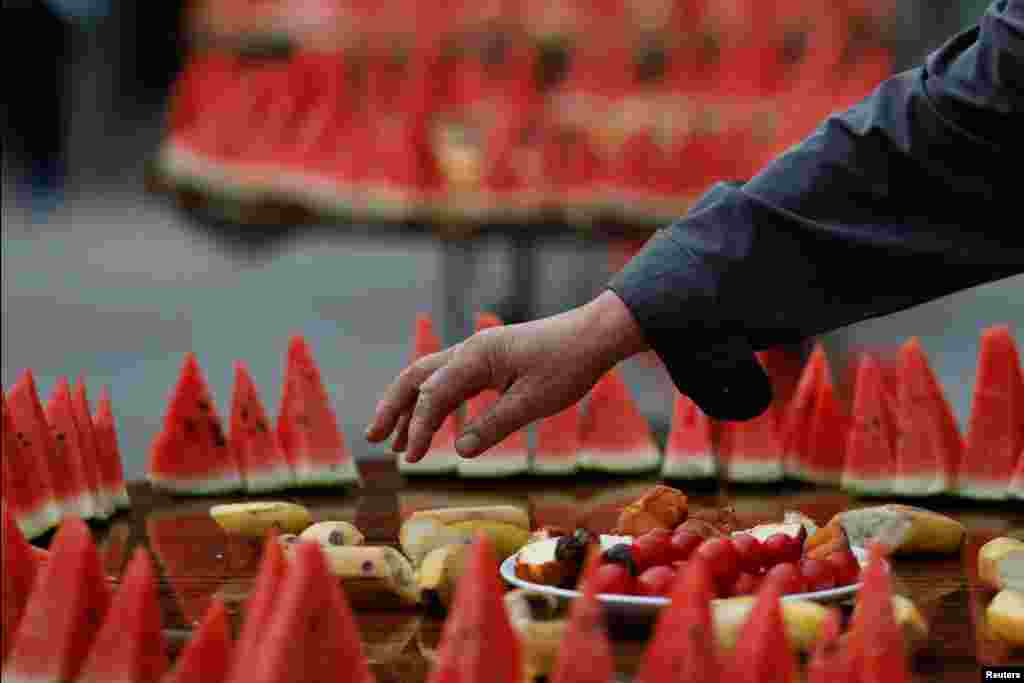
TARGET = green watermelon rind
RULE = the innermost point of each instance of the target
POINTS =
(341, 474)
(637, 460)
(197, 487)
(435, 462)
(497, 465)
(865, 487)
(978, 490)
(919, 487)
(40, 521)
(554, 465)
(279, 479)
(755, 470)
(689, 466)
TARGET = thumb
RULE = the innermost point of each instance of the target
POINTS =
(510, 412)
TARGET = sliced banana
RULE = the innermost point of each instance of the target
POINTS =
(373, 576)
(333, 534)
(439, 574)
(255, 519)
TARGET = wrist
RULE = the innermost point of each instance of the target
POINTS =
(609, 324)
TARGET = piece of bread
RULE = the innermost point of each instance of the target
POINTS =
(662, 507)
(1001, 564)
(1005, 616)
(927, 532)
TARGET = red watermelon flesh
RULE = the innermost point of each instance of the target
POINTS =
(37, 440)
(994, 431)
(441, 458)
(507, 458)
(871, 443)
(477, 633)
(207, 656)
(683, 646)
(799, 413)
(111, 469)
(65, 611)
(105, 506)
(830, 662)
(340, 642)
(130, 646)
(26, 487)
(616, 437)
(19, 567)
(762, 651)
(928, 444)
(262, 601)
(307, 425)
(751, 451)
(585, 655)
(558, 442)
(67, 440)
(689, 451)
(191, 455)
(1017, 483)
(823, 461)
(261, 459)
(875, 641)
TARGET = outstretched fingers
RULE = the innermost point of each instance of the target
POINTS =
(400, 397)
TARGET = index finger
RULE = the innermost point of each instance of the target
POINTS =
(401, 395)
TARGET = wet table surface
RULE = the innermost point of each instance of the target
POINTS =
(198, 561)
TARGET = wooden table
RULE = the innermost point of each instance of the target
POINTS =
(197, 560)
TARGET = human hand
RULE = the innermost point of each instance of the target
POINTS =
(539, 367)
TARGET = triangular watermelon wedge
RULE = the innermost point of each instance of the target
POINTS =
(928, 444)
(307, 426)
(616, 436)
(262, 600)
(207, 656)
(585, 655)
(751, 451)
(105, 505)
(130, 646)
(762, 651)
(340, 642)
(25, 487)
(876, 648)
(1017, 483)
(800, 410)
(442, 457)
(191, 455)
(994, 429)
(261, 459)
(111, 468)
(690, 450)
(871, 443)
(477, 633)
(683, 646)
(67, 439)
(64, 612)
(19, 567)
(557, 443)
(507, 458)
(37, 441)
(830, 662)
(822, 463)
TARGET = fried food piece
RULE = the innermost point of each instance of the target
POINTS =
(662, 507)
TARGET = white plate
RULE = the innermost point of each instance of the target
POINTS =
(639, 605)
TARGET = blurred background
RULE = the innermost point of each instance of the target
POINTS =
(214, 175)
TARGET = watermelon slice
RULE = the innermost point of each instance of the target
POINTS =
(797, 421)
(511, 456)
(928, 444)
(1017, 483)
(341, 644)
(871, 443)
(477, 632)
(261, 459)
(830, 662)
(683, 646)
(207, 656)
(689, 451)
(19, 567)
(26, 489)
(876, 648)
(261, 603)
(822, 463)
(307, 426)
(191, 455)
(64, 612)
(442, 457)
(994, 429)
(762, 651)
(105, 506)
(67, 440)
(110, 467)
(130, 646)
(558, 443)
(616, 437)
(751, 451)
(37, 440)
(585, 655)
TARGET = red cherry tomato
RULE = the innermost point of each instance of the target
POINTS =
(614, 578)
(789, 577)
(722, 559)
(779, 548)
(683, 543)
(818, 574)
(652, 549)
(747, 584)
(656, 581)
(750, 552)
(845, 566)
